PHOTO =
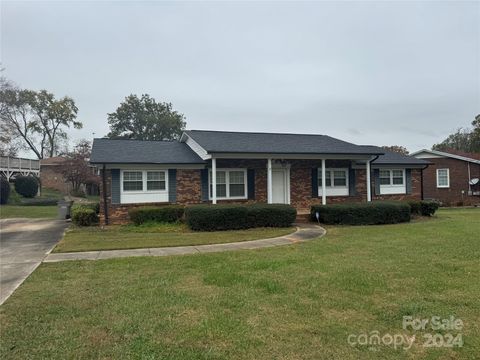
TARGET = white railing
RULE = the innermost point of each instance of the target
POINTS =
(13, 163)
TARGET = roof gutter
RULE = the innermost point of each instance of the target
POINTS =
(105, 202)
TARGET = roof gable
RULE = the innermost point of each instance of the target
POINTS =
(436, 153)
(276, 143)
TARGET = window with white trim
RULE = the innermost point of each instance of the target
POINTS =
(132, 181)
(336, 182)
(231, 183)
(156, 180)
(443, 178)
(392, 181)
(144, 180)
(392, 177)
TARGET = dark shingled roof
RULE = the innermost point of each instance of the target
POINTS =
(393, 158)
(109, 151)
(275, 143)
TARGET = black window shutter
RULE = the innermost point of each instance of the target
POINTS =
(172, 185)
(204, 177)
(314, 182)
(251, 184)
(351, 182)
(408, 180)
(376, 181)
(115, 186)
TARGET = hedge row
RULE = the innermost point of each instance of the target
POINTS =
(362, 213)
(169, 214)
(234, 217)
(85, 214)
(424, 208)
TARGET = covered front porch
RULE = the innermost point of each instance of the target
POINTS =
(289, 179)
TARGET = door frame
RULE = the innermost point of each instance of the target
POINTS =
(286, 174)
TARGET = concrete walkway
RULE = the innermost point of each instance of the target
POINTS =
(24, 243)
(304, 233)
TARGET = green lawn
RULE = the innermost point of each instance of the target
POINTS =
(18, 211)
(290, 302)
(151, 235)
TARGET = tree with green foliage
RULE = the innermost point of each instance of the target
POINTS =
(397, 148)
(37, 118)
(145, 119)
(467, 140)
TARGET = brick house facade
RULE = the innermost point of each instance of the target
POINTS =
(301, 170)
(460, 169)
(189, 188)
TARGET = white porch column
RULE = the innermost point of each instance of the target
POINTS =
(269, 181)
(369, 184)
(324, 184)
(214, 180)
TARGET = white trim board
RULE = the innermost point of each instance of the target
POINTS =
(438, 154)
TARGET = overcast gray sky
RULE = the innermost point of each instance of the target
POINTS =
(366, 72)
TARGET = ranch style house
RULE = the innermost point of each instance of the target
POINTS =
(296, 169)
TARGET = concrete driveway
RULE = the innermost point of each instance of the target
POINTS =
(24, 243)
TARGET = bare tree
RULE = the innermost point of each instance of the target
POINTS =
(397, 148)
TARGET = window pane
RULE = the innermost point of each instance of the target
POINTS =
(221, 179)
(132, 185)
(156, 175)
(398, 173)
(442, 177)
(132, 175)
(384, 177)
(237, 190)
(328, 178)
(339, 178)
(237, 177)
(155, 185)
(398, 180)
(221, 190)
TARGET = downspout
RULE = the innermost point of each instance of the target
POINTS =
(105, 203)
(421, 181)
(370, 176)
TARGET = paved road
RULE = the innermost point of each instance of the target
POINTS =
(24, 243)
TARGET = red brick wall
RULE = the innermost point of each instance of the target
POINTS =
(189, 187)
(52, 178)
(458, 181)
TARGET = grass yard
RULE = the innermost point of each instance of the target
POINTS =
(292, 302)
(154, 235)
(18, 211)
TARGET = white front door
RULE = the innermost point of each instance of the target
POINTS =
(280, 183)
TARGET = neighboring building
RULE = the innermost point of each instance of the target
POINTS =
(250, 167)
(51, 174)
(452, 178)
(11, 167)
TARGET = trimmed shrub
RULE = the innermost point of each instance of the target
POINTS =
(415, 207)
(271, 215)
(38, 202)
(235, 217)
(362, 214)
(169, 214)
(218, 217)
(4, 190)
(428, 208)
(84, 217)
(94, 206)
(27, 186)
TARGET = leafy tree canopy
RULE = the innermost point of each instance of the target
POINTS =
(145, 119)
(37, 118)
(467, 140)
(397, 148)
